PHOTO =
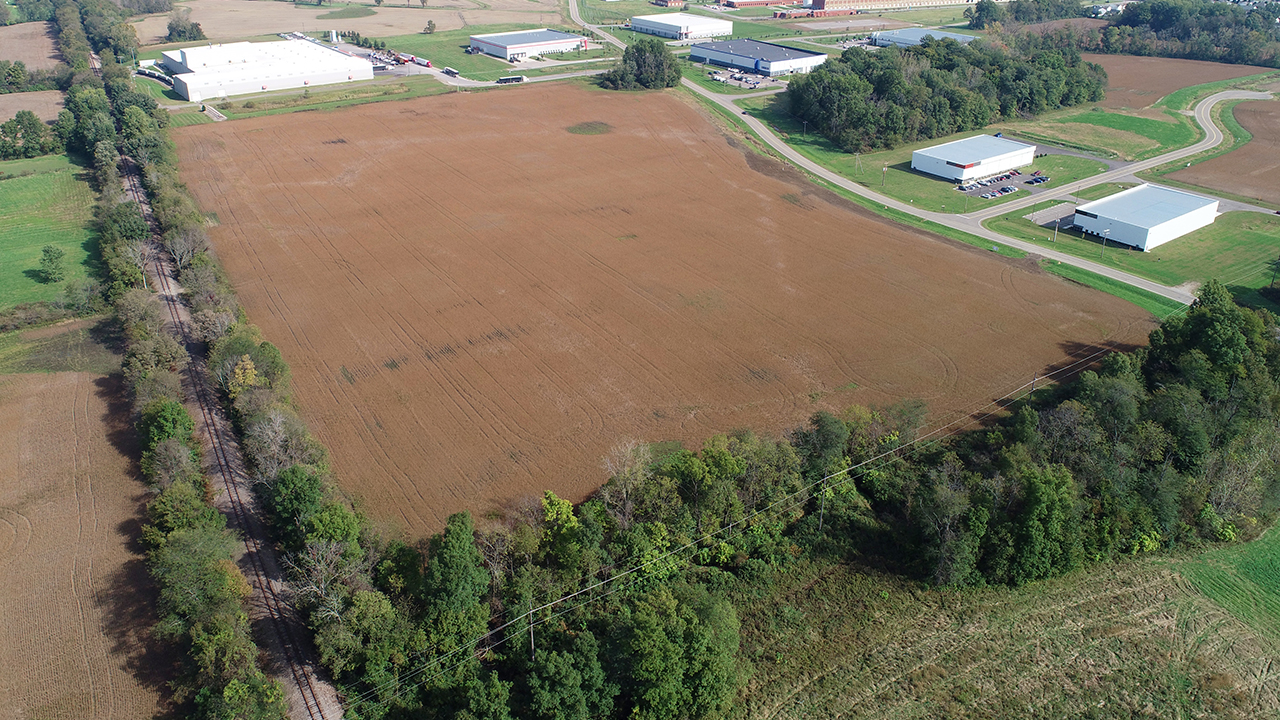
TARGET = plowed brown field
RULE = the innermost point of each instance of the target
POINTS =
(1138, 82)
(33, 43)
(477, 304)
(74, 604)
(1252, 170)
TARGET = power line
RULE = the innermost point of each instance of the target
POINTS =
(632, 571)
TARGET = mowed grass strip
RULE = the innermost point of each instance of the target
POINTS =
(347, 95)
(1161, 307)
(53, 205)
(1243, 579)
(188, 118)
(1238, 249)
(889, 172)
(1167, 135)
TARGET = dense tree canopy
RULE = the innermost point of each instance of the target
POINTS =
(646, 63)
(864, 100)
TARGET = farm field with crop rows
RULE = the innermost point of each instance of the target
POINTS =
(472, 322)
(78, 609)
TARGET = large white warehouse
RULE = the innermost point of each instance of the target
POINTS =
(1146, 216)
(758, 57)
(527, 43)
(211, 71)
(909, 37)
(682, 26)
(976, 157)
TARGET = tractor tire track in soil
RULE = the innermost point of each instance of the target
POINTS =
(277, 625)
(477, 304)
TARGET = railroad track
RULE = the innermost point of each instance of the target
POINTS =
(317, 698)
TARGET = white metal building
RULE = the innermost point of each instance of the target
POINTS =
(976, 157)
(682, 26)
(758, 57)
(908, 37)
(527, 43)
(1146, 216)
(210, 71)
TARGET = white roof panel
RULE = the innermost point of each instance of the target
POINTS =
(1147, 205)
(974, 149)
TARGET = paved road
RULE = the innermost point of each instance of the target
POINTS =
(577, 17)
(972, 223)
(1212, 137)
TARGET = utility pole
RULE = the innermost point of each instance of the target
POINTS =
(884, 174)
(822, 509)
(531, 628)
(1056, 223)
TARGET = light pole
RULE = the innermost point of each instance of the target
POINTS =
(1056, 223)
(1105, 234)
(884, 174)
(806, 128)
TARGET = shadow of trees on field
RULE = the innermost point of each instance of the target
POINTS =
(128, 596)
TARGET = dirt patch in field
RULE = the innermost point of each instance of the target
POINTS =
(75, 641)
(474, 320)
(230, 19)
(32, 43)
(1138, 82)
(46, 104)
(1252, 170)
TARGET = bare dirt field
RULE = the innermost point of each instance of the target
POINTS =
(1252, 170)
(1138, 82)
(45, 104)
(473, 320)
(32, 43)
(228, 19)
(75, 609)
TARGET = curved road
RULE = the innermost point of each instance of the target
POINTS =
(972, 223)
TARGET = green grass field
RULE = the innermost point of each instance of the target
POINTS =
(1238, 249)
(598, 12)
(1110, 134)
(945, 15)
(157, 90)
(1128, 639)
(52, 205)
(348, 12)
(355, 94)
(899, 181)
(1097, 192)
(1243, 579)
(91, 345)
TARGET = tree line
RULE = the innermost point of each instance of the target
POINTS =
(1172, 445)
(1192, 29)
(190, 552)
(863, 101)
(987, 13)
